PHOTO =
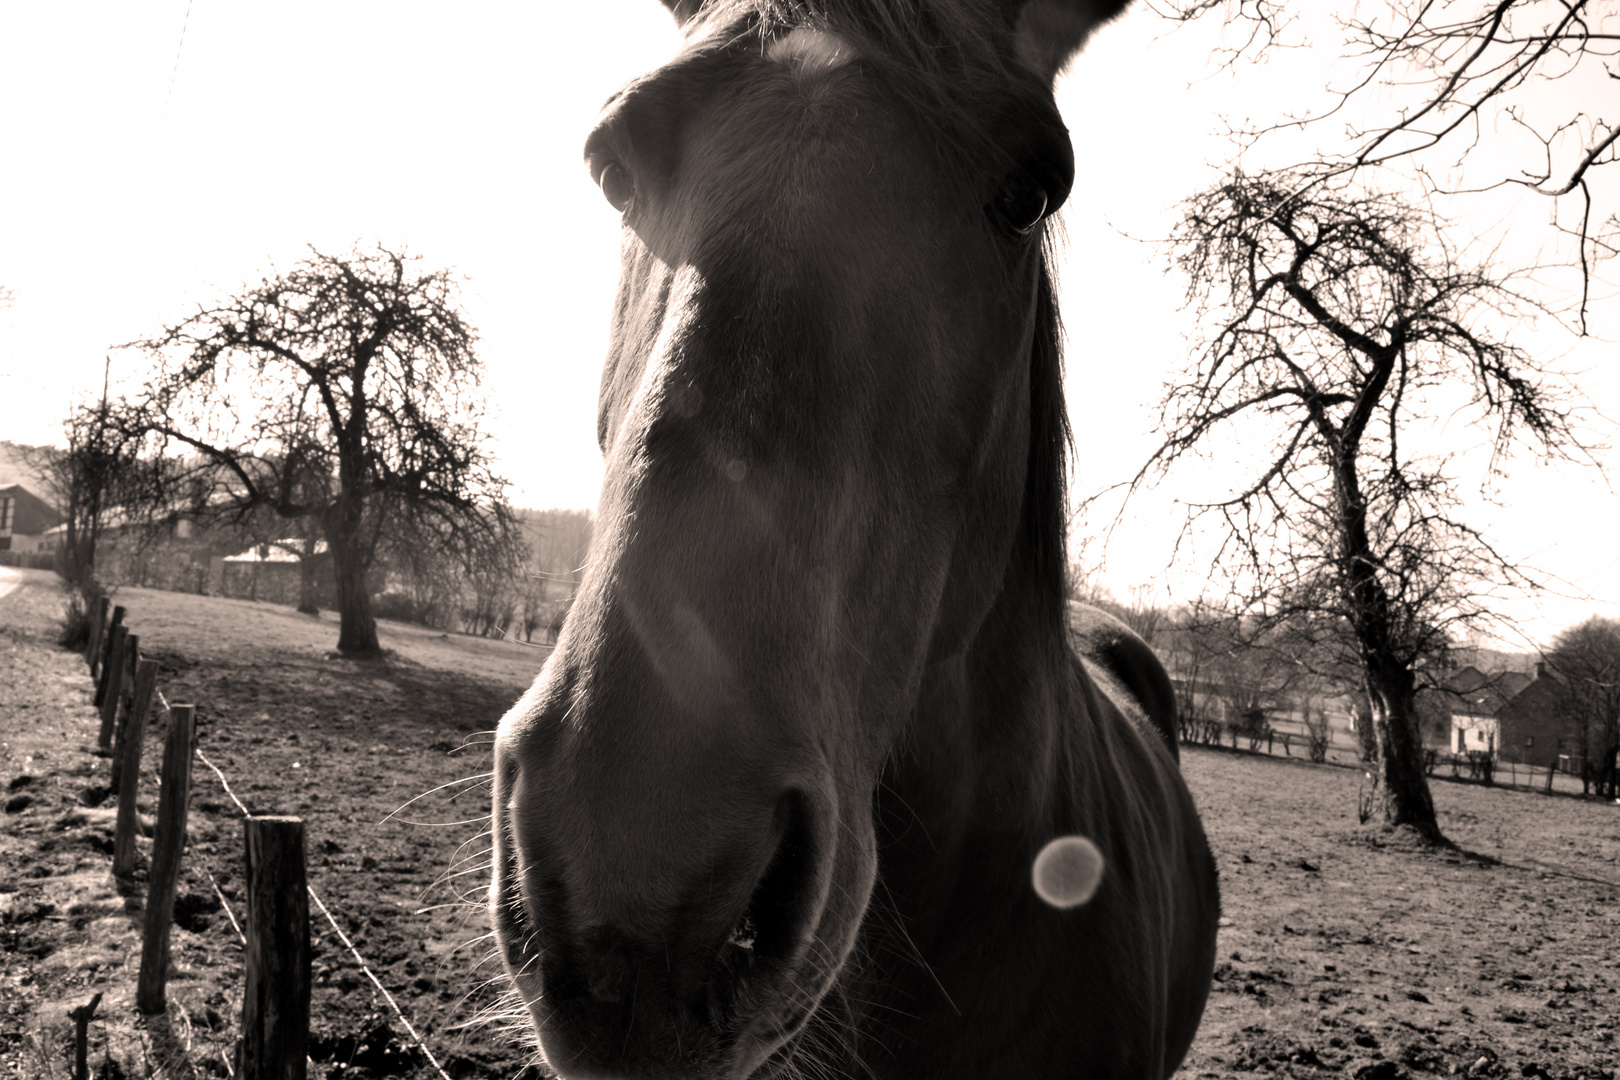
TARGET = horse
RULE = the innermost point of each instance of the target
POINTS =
(816, 781)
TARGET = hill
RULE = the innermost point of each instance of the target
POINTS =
(15, 468)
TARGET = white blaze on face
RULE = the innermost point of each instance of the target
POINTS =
(1068, 871)
(811, 52)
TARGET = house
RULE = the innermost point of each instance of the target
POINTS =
(1532, 726)
(273, 571)
(1465, 707)
(1510, 715)
(25, 519)
(178, 553)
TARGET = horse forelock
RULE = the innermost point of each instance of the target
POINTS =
(953, 65)
(952, 62)
(811, 51)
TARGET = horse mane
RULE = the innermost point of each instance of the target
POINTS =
(1045, 528)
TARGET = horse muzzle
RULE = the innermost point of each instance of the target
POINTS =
(666, 957)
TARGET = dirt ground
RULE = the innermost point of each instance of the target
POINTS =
(1356, 952)
(385, 762)
(1344, 951)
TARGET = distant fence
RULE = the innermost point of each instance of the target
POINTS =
(32, 560)
(1285, 735)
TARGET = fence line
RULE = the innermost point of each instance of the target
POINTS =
(1499, 769)
(336, 928)
(378, 984)
(358, 959)
(118, 698)
(168, 849)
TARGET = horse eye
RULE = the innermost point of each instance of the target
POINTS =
(616, 185)
(1019, 206)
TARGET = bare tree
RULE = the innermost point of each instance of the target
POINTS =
(493, 588)
(1436, 79)
(1242, 668)
(1230, 670)
(344, 390)
(1318, 729)
(1339, 323)
(1586, 661)
(1191, 658)
(424, 585)
(91, 480)
(559, 541)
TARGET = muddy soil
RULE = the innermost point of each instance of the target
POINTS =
(1345, 951)
(1351, 951)
(386, 762)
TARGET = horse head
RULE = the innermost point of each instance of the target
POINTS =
(832, 419)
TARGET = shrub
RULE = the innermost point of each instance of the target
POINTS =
(1319, 732)
(75, 628)
(399, 606)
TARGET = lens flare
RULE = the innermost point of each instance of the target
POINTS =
(1068, 871)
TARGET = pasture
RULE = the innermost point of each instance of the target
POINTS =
(1343, 951)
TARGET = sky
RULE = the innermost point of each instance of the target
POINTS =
(159, 155)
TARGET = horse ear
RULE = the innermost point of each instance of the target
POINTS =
(1048, 33)
(683, 10)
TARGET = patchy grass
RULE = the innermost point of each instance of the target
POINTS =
(1345, 952)
(386, 762)
(1346, 949)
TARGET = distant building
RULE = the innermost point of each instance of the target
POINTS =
(272, 572)
(25, 519)
(1509, 715)
(178, 553)
(1534, 730)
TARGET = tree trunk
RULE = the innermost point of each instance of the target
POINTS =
(1400, 788)
(307, 603)
(1366, 737)
(357, 630)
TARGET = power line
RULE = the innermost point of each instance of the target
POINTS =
(175, 69)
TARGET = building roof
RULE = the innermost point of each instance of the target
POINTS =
(276, 551)
(1471, 692)
(32, 515)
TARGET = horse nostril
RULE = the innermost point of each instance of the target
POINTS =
(777, 912)
(744, 934)
(610, 970)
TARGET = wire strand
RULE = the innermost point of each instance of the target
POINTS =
(313, 895)
(181, 44)
(338, 930)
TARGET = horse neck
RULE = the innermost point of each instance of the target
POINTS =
(988, 751)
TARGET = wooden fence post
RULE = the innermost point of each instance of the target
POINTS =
(104, 649)
(98, 627)
(127, 770)
(119, 665)
(275, 1006)
(131, 700)
(167, 847)
(81, 1018)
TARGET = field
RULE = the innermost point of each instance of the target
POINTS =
(1345, 951)
(294, 730)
